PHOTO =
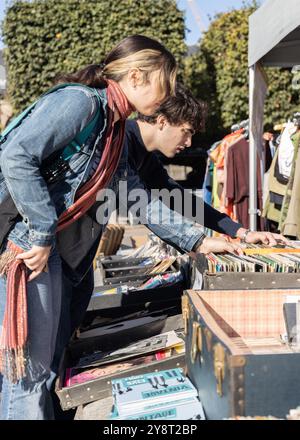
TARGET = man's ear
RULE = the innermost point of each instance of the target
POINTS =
(134, 77)
(161, 121)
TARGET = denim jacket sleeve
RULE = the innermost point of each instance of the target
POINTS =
(54, 122)
(209, 217)
(169, 225)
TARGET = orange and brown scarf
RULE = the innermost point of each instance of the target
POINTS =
(15, 326)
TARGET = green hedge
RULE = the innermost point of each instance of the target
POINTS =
(218, 72)
(46, 37)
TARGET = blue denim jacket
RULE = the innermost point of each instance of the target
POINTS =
(52, 124)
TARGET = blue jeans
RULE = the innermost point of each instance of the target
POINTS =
(29, 398)
(75, 301)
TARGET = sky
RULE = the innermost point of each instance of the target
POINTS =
(193, 8)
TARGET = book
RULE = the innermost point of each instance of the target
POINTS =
(183, 409)
(135, 392)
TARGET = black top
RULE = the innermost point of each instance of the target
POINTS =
(154, 176)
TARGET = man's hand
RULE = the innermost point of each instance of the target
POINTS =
(36, 260)
(267, 238)
(218, 245)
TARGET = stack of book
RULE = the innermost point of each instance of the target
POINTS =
(164, 395)
(137, 354)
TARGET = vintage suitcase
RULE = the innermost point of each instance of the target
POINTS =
(234, 353)
(100, 388)
(239, 280)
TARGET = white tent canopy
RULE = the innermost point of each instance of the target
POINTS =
(274, 34)
(274, 40)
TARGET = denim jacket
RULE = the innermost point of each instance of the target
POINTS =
(51, 125)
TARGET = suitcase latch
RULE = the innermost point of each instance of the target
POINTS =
(196, 341)
(185, 312)
(219, 367)
(208, 338)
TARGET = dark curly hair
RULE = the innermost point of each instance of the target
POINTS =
(179, 109)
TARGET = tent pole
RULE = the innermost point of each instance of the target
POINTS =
(252, 156)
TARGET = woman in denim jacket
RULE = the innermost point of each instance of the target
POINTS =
(136, 75)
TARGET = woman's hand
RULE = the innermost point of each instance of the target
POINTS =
(218, 245)
(267, 238)
(36, 260)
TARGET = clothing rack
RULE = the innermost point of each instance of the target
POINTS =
(244, 124)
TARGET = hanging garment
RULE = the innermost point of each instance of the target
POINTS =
(218, 157)
(289, 187)
(290, 216)
(286, 150)
(272, 208)
(215, 195)
(208, 182)
(227, 203)
(237, 182)
(269, 150)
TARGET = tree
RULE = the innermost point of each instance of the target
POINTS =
(47, 37)
(218, 72)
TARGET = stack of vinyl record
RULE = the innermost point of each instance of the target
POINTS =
(257, 258)
(133, 324)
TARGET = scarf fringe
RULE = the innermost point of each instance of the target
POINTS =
(12, 360)
(5, 261)
(13, 363)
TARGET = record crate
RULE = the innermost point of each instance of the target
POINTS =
(240, 280)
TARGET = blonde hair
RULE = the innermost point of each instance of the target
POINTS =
(147, 61)
(136, 51)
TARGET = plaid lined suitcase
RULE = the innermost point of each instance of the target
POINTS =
(234, 353)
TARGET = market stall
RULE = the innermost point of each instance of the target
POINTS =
(274, 40)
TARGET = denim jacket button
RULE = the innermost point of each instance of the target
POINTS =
(125, 173)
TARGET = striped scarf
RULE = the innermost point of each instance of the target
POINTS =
(14, 332)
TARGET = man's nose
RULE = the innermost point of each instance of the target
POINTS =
(188, 142)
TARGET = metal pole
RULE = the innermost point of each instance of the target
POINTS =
(252, 156)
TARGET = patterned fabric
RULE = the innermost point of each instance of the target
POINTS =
(15, 329)
(86, 196)
(248, 314)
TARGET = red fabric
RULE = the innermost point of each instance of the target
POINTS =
(86, 196)
(237, 182)
(15, 326)
(16, 304)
